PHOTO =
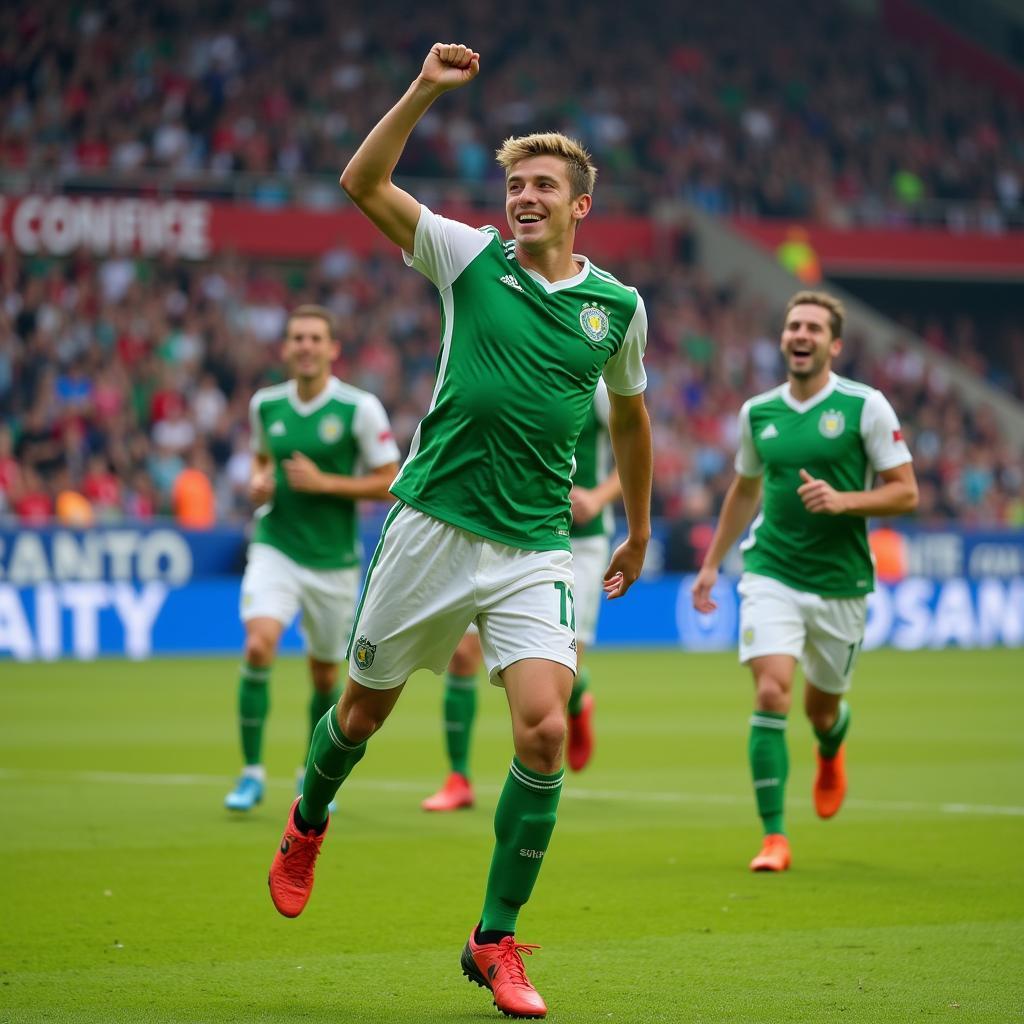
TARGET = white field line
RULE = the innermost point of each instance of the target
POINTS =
(571, 793)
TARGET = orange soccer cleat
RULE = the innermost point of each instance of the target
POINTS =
(456, 793)
(830, 783)
(499, 967)
(291, 873)
(774, 855)
(581, 734)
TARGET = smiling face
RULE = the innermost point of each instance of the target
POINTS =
(309, 350)
(541, 210)
(807, 344)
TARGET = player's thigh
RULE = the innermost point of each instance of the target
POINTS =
(417, 600)
(589, 563)
(530, 611)
(834, 637)
(328, 602)
(271, 585)
(771, 619)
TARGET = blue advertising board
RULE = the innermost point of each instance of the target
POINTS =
(136, 592)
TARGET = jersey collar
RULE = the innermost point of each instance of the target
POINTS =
(310, 407)
(557, 286)
(796, 406)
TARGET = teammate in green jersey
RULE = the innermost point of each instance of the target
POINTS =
(319, 446)
(595, 486)
(481, 528)
(814, 447)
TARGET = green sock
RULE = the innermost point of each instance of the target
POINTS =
(523, 822)
(830, 742)
(579, 687)
(459, 713)
(331, 757)
(253, 705)
(769, 766)
(319, 705)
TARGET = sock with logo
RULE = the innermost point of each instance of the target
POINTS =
(579, 687)
(459, 714)
(523, 822)
(769, 766)
(319, 704)
(332, 756)
(830, 742)
(253, 705)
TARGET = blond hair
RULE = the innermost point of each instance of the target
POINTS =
(320, 312)
(581, 170)
(837, 311)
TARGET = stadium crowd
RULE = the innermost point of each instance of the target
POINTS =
(124, 385)
(808, 111)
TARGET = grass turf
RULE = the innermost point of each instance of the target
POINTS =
(129, 894)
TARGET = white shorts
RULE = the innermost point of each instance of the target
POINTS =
(428, 581)
(589, 564)
(276, 587)
(823, 633)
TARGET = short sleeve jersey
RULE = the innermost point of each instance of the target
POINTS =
(594, 463)
(520, 360)
(344, 430)
(844, 435)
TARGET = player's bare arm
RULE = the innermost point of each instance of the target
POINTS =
(738, 508)
(588, 502)
(261, 479)
(896, 495)
(630, 430)
(304, 475)
(367, 178)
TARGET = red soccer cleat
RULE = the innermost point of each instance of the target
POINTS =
(774, 855)
(499, 967)
(291, 874)
(456, 793)
(581, 734)
(830, 783)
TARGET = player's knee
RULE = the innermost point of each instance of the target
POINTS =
(464, 663)
(325, 677)
(358, 721)
(821, 720)
(259, 649)
(772, 693)
(540, 743)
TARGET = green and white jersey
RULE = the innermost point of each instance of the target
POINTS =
(594, 463)
(844, 435)
(344, 430)
(519, 362)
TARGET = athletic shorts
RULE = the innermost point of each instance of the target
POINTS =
(589, 564)
(276, 587)
(823, 633)
(428, 581)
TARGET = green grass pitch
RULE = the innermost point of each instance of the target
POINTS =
(128, 894)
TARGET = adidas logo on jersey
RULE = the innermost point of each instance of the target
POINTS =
(769, 431)
(511, 281)
(277, 429)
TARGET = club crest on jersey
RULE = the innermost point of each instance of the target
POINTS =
(594, 321)
(832, 423)
(330, 429)
(363, 652)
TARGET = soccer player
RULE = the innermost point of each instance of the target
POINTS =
(595, 486)
(817, 442)
(319, 446)
(481, 527)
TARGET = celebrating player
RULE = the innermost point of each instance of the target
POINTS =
(319, 447)
(595, 486)
(817, 442)
(481, 528)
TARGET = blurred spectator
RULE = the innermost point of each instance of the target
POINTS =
(192, 494)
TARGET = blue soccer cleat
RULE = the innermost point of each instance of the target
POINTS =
(248, 792)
